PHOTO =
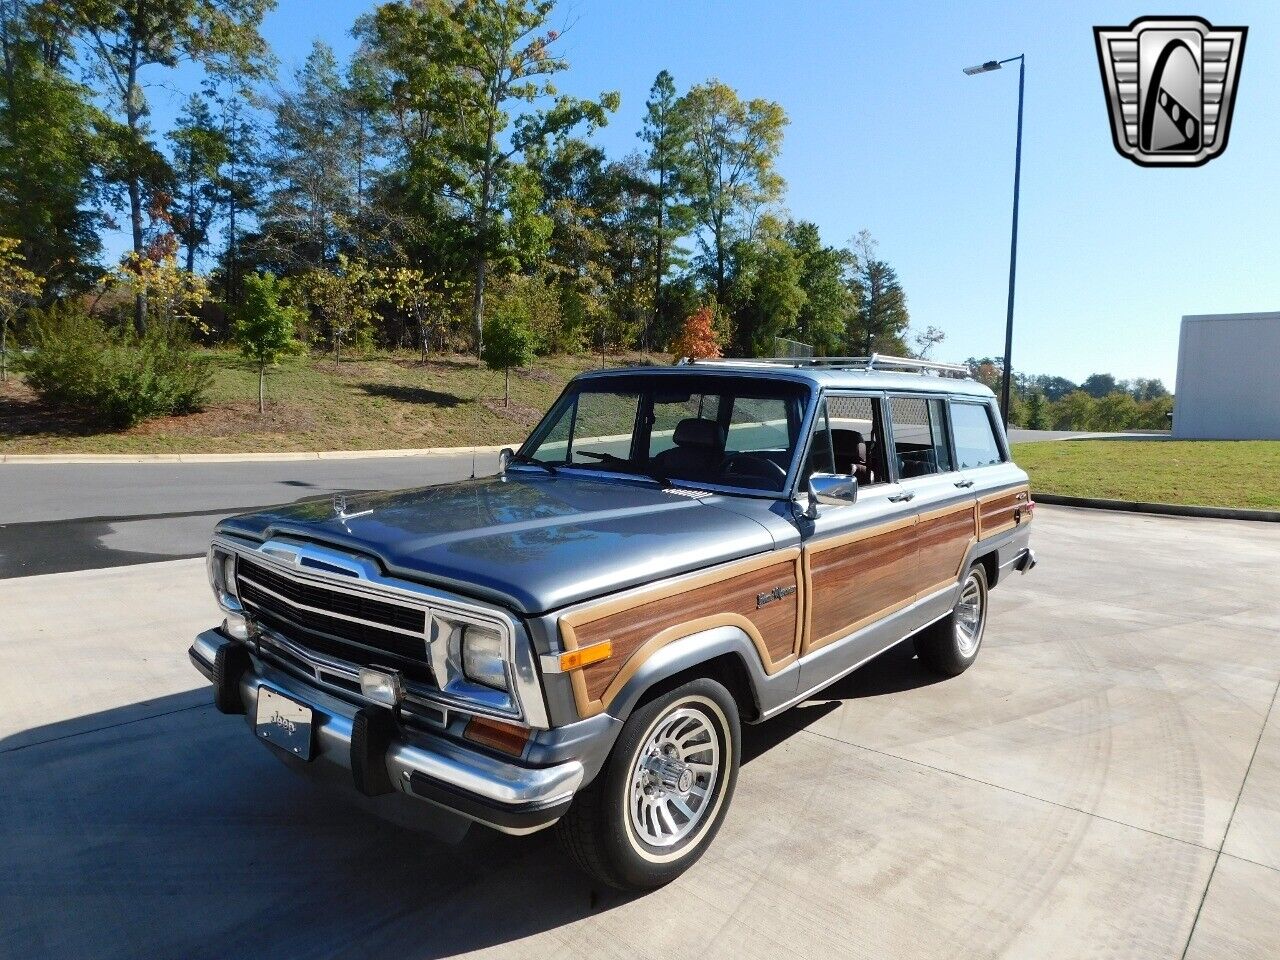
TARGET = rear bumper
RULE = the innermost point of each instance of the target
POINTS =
(507, 796)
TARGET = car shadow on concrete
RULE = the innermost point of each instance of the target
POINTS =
(161, 829)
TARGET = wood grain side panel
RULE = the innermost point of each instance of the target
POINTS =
(996, 512)
(853, 583)
(631, 629)
(942, 540)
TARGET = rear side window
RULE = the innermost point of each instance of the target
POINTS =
(919, 436)
(975, 436)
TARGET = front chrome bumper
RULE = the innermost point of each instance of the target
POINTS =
(506, 796)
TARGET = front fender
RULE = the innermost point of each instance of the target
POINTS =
(686, 654)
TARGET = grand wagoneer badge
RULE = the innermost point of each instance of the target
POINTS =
(1170, 84)
(777, 593)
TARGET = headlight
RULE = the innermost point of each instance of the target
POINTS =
(470, 662)
(222, 577)
(229, 575)
(484, 658)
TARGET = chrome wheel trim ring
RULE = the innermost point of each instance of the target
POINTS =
(661, 841)
(970, 616)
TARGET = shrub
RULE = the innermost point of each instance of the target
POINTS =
(122, 379)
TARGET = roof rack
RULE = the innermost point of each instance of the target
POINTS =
(877, 361)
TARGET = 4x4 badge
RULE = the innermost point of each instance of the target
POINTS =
(1170, 84)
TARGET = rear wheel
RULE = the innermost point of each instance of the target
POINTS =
(951, 645)
(663, 793)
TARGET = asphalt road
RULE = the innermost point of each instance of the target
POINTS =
(1103, 782)
(61, 517)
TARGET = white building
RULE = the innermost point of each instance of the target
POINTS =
(1228, 378)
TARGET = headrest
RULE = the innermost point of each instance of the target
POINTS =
(696, 432)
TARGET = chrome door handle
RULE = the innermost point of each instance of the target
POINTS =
(902, 497)
(964, 483)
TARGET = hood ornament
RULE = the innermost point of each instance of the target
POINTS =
(340, 508)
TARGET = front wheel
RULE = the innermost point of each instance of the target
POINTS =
(951, 645)
(663, 793)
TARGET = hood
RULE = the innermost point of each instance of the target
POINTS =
(530, 541)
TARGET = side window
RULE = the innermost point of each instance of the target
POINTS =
(975, 437)
(919, 436)
(856, 433)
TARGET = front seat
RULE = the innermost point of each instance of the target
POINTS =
(852, 454)
(696, 455)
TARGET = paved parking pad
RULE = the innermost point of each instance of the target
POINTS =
(1081, 792)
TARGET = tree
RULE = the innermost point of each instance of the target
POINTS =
(122, 42)
(829, 306)
(425, 299)
(50, 149)
(1074, 411)
(17, 285)
(311, 206)
(200, 149)
(882, 317)
(765, 296)
(344, 299)
(1098, 385)
(1148, 389)
(240, 185)
(264, 328)
(509, 344)
(731, 151)
(926, 340)
(698, 340)
(1037, 411)
(664, 130)
(171, 295)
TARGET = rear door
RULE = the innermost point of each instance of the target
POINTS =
(941, 497)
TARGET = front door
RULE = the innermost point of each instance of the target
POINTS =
(858, 558)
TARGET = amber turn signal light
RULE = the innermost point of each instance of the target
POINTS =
(586, 656)
(505, 737)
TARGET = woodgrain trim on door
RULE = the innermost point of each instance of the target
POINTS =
(642, 621)
(943, 539)
(853, 577)
(996, 511)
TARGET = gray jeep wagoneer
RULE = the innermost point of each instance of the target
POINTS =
(671, 552)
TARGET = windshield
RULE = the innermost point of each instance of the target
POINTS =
(728, 431)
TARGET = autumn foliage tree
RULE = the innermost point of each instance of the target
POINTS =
(698, 339)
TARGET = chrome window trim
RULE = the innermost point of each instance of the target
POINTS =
(284, 556)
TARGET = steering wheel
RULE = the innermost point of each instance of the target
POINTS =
(754, 465)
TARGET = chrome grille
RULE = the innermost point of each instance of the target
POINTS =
(344, 625)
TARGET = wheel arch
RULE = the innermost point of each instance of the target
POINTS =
(725, 654)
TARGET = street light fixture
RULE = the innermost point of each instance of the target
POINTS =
(1013, 244)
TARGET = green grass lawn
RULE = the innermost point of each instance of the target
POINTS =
(378, 402)
(1217, 473)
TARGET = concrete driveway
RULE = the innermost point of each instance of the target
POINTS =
(1104, 783)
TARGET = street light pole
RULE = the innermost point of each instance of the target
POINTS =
(1006, 376)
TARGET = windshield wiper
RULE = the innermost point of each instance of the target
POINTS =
(532, 461)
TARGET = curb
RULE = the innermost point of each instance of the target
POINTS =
(1163, 509)
(64, 458)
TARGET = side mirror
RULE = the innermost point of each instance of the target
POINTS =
(504, 458)
(830, 490)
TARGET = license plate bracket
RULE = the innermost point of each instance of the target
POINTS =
(284, 723)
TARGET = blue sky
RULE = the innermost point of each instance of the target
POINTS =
(886, 133)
